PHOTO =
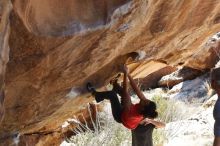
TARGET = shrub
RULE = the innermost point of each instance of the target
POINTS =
(106, 132)
(109, 133)
(169, 111)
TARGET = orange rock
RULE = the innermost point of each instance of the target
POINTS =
(42, 69)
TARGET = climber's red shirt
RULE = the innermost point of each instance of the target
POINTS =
(131, 118)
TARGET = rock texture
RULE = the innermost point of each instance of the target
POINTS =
(5, 9)
(148, 73)
(152, 80)
(42, 70)
(196, 90)
(61, 18)
(180, 75)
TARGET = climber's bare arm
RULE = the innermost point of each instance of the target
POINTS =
(136, 88)
(156, 123)
(126, 99)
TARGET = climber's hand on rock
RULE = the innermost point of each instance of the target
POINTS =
(125, 69)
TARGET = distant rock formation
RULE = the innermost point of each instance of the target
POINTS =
(178, 76)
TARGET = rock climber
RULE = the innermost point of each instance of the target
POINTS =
(137, 117)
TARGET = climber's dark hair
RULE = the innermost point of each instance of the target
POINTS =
(149, 110)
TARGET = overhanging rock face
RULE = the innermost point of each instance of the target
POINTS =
(42, 70)
(61, 18)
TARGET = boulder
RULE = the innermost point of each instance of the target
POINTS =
(58, 46)
(151, 81)
(179, 76)
(196, 91)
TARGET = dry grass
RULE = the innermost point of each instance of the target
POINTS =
(106, 132)
(109, 133)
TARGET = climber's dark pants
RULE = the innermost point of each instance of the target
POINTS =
(115, 103)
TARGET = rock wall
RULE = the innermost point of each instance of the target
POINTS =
(5, 9)
(61, 18)
(55, 48)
